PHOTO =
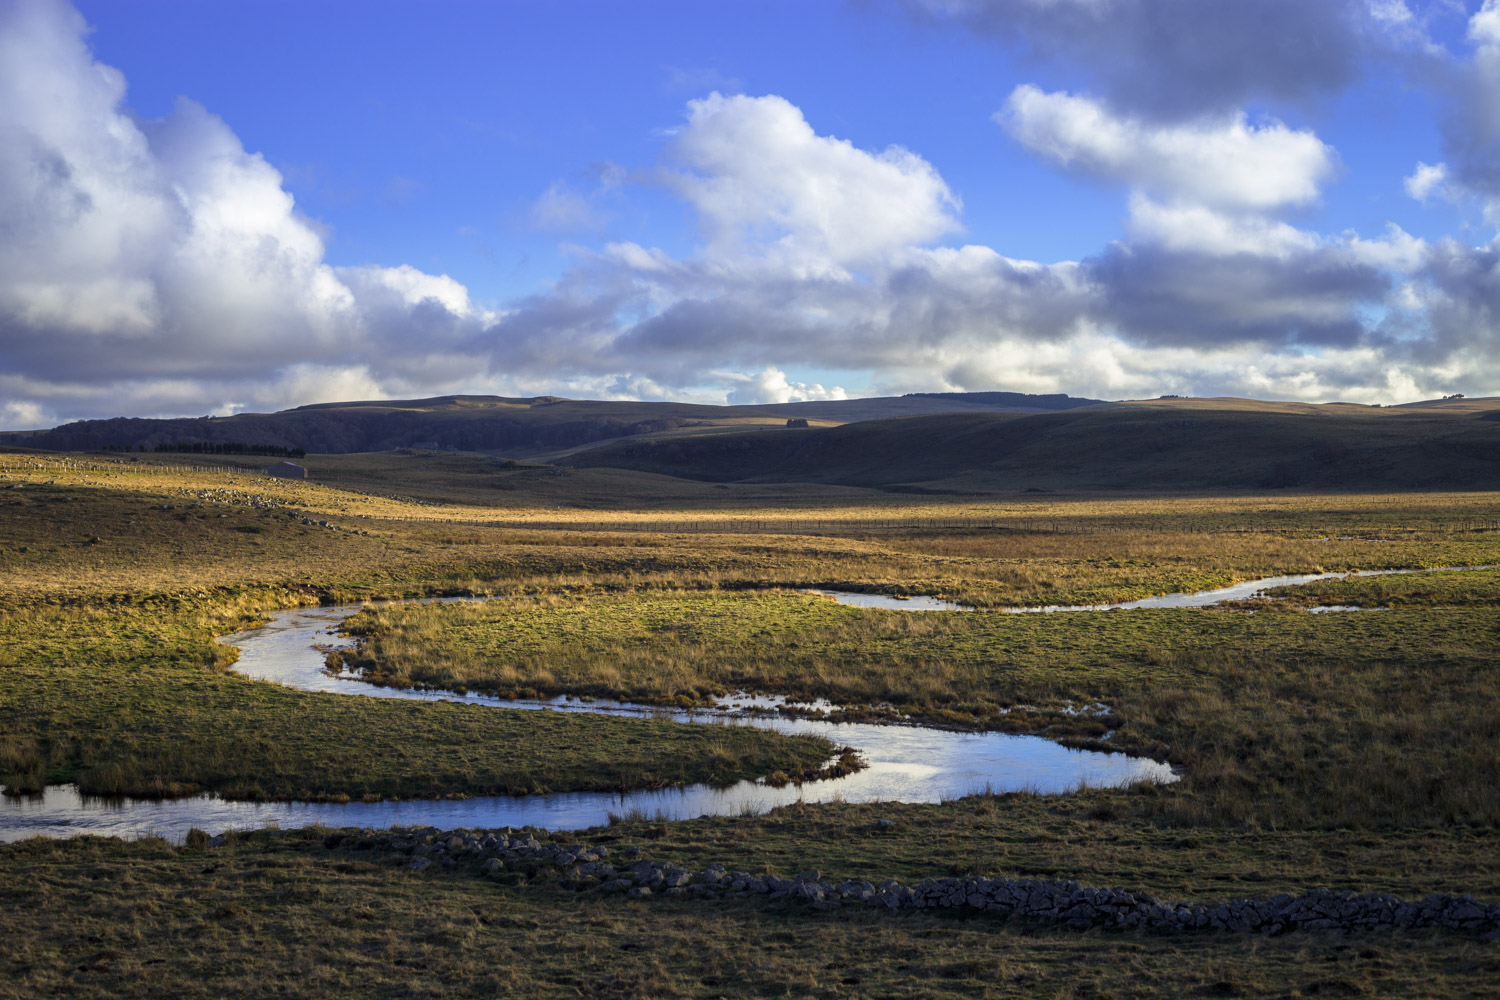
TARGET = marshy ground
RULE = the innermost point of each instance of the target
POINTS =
(1357, 750)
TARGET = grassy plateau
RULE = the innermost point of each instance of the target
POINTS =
(1357, 750)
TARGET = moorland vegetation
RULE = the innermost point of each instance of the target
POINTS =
(1355, 750)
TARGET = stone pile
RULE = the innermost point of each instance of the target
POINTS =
(594, 868)
(236, 498)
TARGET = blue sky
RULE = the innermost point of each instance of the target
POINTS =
(295, 202)
(426, 137)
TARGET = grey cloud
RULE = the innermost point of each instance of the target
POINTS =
(1471, 121)
(1043, 303)
(937, 303)
(929, 303)
(1180, 58)
(1462, 302)
(1159, 296)
(1473, 153)
(569, 329)
(717, 321)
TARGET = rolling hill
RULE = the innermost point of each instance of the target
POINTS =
(1197, 444)
(522, 427)
(974, 443)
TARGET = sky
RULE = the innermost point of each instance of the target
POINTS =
(246, 206)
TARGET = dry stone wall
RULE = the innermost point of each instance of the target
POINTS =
(598, 869)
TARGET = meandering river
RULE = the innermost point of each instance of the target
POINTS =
(1197, 599)
(906, 763)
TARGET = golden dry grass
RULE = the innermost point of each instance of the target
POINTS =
(235, 529)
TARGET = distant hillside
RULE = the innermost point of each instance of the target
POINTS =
(919, 403)
(1161, 444)
(520, 426)
(1019, 401)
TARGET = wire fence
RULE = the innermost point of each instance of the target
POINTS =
(977, 525)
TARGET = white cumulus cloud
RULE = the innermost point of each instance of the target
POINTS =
(770, 385)
(1224, 162)
(765, 184)
(1194, 227)
(1426, 179)
(139, 250)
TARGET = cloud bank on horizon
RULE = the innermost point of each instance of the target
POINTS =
(158, 267)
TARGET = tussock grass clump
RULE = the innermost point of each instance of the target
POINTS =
(23, 771)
